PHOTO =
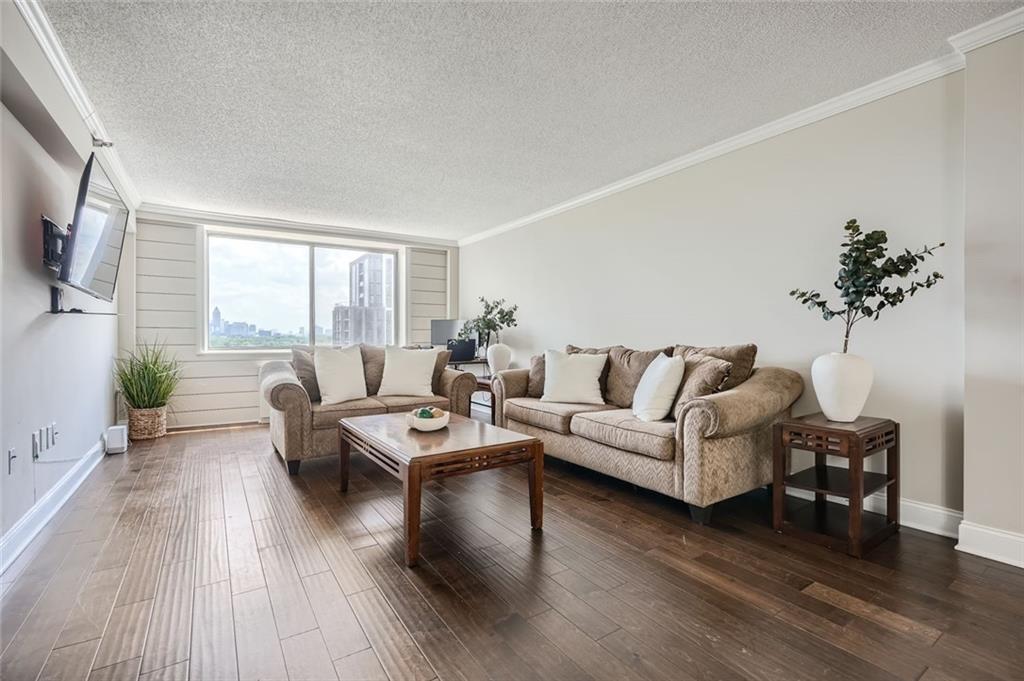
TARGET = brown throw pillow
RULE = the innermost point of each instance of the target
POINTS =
(603, 380)
(373, 367)
(740, 356)
(704, 375)
(442, 363)
(625, 368)
(305, 371)
(535, 384)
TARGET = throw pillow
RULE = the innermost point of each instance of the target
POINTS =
(408, 372)
(339, 373)
(443, 355)
(535, 383)
(704, 376)
(657, 389)
(740, 356)
(625, 369)
(573, 378)
(305, 371)
(573, 350)
(373, 366)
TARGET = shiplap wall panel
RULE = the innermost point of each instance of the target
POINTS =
(427, 290)
(214, 389)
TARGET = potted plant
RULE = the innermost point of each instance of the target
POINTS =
(495, 317)
(842, 380)
(147, 379)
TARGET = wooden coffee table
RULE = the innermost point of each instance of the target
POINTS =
(464, 446)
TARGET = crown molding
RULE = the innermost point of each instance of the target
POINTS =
(42, 30)
(903, 80)
(176, 215)
(989, 32)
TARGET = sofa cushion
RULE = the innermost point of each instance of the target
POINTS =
(396, 403)
(327, 415)
(553, 416)
(741, 357)
(305, 371)
(373, 366)
(625, 369)
(704, 375)
(535, 383)
(619, 428)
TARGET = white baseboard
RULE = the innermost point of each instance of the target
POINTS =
(992, 543)
(914, 514)
(24, 531)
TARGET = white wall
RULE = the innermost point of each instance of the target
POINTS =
(54, 367)
(994, 424)
(708, 255)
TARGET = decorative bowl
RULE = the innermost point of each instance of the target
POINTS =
(427, 425)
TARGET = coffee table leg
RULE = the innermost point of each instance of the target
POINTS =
(345, 450)
(536, 475)
(412, 486)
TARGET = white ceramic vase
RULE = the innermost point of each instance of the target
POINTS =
(499, 356)
(842, 383)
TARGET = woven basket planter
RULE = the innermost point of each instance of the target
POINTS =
(147, 424)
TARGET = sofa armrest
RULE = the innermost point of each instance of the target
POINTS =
(506, 384)
(755, 403)
(281, 387)
(458, 387)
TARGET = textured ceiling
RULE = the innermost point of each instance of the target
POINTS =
(447, 119)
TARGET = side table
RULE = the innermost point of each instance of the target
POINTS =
(837, 526)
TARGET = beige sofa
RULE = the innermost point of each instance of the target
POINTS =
(720, 446)
(303, 429)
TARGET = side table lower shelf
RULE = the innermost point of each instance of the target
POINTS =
(827, 523)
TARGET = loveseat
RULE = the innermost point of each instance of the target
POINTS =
(719, 446)
(301, 428)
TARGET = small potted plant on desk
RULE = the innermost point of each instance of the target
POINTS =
(842, 381)
(147, 379)
(495, 317)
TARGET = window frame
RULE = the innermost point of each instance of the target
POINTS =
(311, 242)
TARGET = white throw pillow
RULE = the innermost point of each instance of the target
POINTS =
(339, 373)
(408, 372)
(574, 378)
(656, 393)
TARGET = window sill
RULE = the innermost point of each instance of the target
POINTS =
(269, 353)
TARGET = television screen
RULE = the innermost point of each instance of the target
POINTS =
(442, 330)
(96, 236)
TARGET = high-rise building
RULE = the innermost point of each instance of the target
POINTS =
(215, 322)
(370, 316)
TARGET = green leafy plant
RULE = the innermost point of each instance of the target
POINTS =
(495, 317)
(864, 270)
(147, 377)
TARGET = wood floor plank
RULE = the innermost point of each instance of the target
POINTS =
(360, 666)
(169, 637)
(125, 634)
(92, 607)
(70, 663)
(212, 654)
(334, 616)
(175, 672)
(259, 651)
(211, 552)
(581, 649)
(127, 670)
(886, 618)
(292, 611)
(243, 554)
(398, 654)
(307, 658)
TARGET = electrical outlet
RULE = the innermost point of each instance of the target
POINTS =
(49, 437)
(55, 432)
(11, 456)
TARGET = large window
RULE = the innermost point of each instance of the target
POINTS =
(265, 294)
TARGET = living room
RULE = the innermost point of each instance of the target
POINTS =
(512, 340)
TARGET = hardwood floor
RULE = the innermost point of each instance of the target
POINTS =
(197, 556)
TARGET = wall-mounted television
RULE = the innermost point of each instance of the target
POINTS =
(96, 236)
